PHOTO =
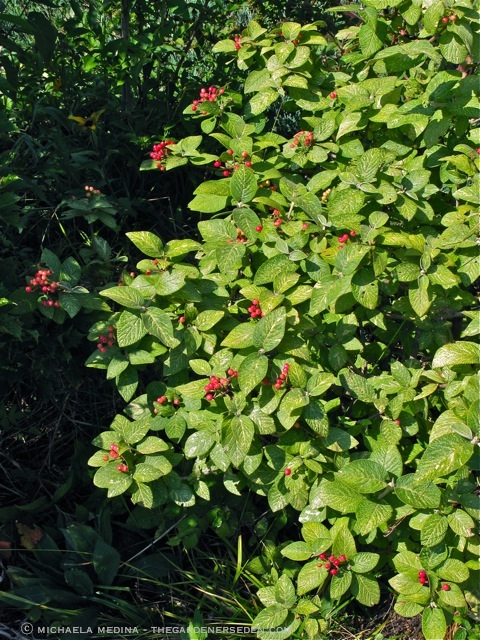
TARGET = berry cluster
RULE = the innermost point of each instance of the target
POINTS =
(123, 468)
(164, 400)
(451, 18)
(325, 194)
(422, 577)
(333, 563)
(238, 40)
(41, 283)
(113, 452)
(89, 191)
(276, 214)
(282, 378)
(254, 309)
(343, 239)
(159, 152)
(240, 236)
(302, 138)
(207, 95)
(105, 341)
(218, 384)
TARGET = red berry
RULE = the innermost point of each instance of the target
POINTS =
(162, 399)
(111, 329)
(231, 372)
(453, 17)
(445, 20)
(258, 229)
(181, 319)
(230, 152)
(333, 572)
(288, 472)
(278, 222)
(328, 565)
(446, 587)
(176, 402)
(397, 422)
(336, 562)
(106, 458)
(322, 556)
(244, 154)
(209, 397)
(148, 272)
(422, 574)
(217, 164)
(342, 558)
(248, 163)
(478, 150)
(256, 302)
(320, 565)
(225, 173)
(353, 233)
(120, 467)
(333, 95)
(305, 226)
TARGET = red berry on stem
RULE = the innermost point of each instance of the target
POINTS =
(333, 572)
(209, 397)
(453, 17)
(106, 458)
(322, 556)
(327, 565)
(444, 19)
(446, 587)
(225, 173)
(181, 319)
(342, 558)
(353, 233)
(259, 228)
(333, 95)
(288, 472)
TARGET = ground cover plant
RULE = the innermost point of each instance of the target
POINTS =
(302, 374)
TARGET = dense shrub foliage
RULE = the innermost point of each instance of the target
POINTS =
(317, 345)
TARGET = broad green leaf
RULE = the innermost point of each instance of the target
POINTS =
(158, 324)
(108, 477)
(457, 353)
(199, 444)
(434, 529)
(243, 184)
(310, 577)
(434, 625)
(358, 385)
(364, 562)
(241, 336)
(271, 617)
(207, 319)
(371, 514)
(125, 296)
(130, 329)
(442, 456)
(453, 570)
(147, 242)
(340, 584)
(365, 288)
(418, 294)
(237, 436)
(70, 272)
(269, 270)
(297, 551)
(285, 592)
(270, 329)
(168, 282)
(365, 475)
(365, 589)
(339, 496)
(262, 100)
(252, 371)
(425, 495)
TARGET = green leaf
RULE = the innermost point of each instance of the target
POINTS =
(127, 383)
(357, 385)
(269, 270)
(425, 495)
(285, 592)
(442, 456)
(158, 324)
(457, 353)
(310, 577)
(252, 371)
(270, 329)
(262, 100)
(241, 336)
(116, 366)
(147, 242)
(125, 296)
(152, 444)
(207, 319)
(198, 444)
(297, 551)
(365, 288)
(237, 436)
(453, 570)
(339, 496)
(167, 282)
(365, 589)
(130, 329)
(70, 272)
(108, 477)
(461, 523)
(152, 469)
(340, 584)
(372, 514)
(365, 475)
(434, 625)
(243, 184)
(419, 296)
(364, 562)
(271, 617)
(434, 529)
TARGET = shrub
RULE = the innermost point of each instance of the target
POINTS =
(316, 345)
